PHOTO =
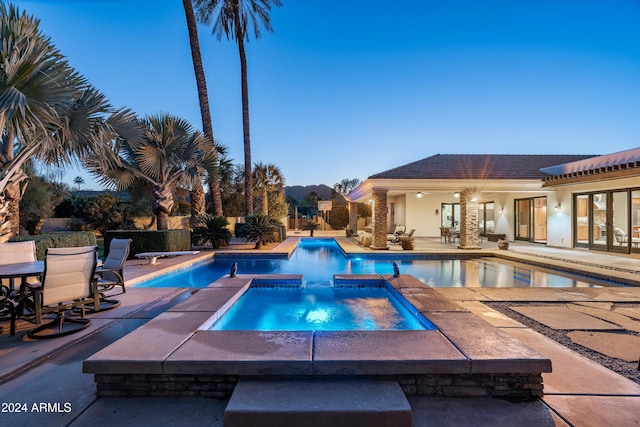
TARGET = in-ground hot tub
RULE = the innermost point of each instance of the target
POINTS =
(176, 354)
(344, 307)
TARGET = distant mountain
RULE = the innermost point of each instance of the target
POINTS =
(299, 192)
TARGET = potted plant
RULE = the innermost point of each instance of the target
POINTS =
(408, 243)
(503, 244)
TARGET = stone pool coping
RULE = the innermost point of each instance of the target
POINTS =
(173, 348)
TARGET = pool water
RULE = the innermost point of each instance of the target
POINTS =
(320, 309)
(319, 259)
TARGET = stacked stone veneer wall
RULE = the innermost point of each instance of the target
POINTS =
(379, 219)
(469, 227)
(514, 386)
(353, 216)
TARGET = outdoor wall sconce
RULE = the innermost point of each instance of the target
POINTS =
(558, 207)
(437, 211)
(501, 210)
(456, 195)
(419, 194)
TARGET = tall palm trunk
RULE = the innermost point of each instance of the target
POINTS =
(265, 201)
(10, 198)
(205, 112)
(197, 200)
(248, 178)
(162, 205)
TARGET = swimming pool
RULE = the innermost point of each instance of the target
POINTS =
(319, 259)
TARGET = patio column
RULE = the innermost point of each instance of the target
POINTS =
(469, 220)
(353, 217)
(379, 213)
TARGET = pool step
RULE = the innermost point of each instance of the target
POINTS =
(321, 403)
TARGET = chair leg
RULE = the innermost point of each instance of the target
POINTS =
(59, 322)
(13, 311)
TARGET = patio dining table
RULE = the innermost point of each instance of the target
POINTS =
(19, 270)
(22, 271)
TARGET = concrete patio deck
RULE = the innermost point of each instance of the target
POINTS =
(578, 392)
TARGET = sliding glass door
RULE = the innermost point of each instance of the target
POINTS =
(608, 220)
(531, 219)
(635, 220)
(450, 215)
(598, 221)
(523, 219)
(619, 214)
(486, 223)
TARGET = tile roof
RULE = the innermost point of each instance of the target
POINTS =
(629, 158)
(479, 166)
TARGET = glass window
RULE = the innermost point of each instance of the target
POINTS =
(582, 220)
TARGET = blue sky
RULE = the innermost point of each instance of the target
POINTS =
(350, 88)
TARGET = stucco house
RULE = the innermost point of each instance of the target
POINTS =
(569, 201)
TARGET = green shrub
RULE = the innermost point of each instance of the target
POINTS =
(211, 228)
(260, 229)
(339, 217)
(311, 225)
(151, 240)
(65, 239)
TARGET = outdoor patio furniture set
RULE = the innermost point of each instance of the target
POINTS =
(69, 281)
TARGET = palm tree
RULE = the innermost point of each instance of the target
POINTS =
(47, 110)
(205, 112)
(212, 229)
(78, 180)
(346, 185)
(267, 179)
(261, 229)
(169, 153)
(232, 19)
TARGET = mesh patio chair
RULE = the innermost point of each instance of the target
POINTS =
(17, 252)
(111, 273)
(68, 282)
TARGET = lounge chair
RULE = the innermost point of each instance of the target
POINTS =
(395, 236)
(68, 282)
(409, 234)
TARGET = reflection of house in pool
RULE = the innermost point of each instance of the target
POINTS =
(558, 200)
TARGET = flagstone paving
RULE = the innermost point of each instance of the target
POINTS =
(633, 313)
(619, 345)
(608, 316)
(565, 318)
(494, 317)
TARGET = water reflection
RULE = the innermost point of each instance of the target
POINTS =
(318, 260)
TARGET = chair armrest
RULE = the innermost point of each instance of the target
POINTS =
(31, 287)
(115, 271)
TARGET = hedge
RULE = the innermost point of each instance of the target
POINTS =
(64, 239)
(150, 240)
